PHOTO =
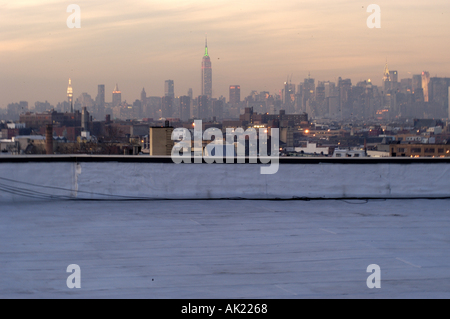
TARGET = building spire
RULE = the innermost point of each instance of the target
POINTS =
(206, 45)
(386, 75)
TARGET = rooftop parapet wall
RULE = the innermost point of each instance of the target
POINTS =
(25, 178)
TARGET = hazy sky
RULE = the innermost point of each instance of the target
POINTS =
(254, 43)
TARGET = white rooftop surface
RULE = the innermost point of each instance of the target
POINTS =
(225, 249)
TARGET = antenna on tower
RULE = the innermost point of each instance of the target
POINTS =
(206, 44)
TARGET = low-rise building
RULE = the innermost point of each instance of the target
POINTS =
(312, 148)
(160, 139)
(419, 150)
(349, 153)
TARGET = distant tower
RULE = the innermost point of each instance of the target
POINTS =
(235, 94)
(217, 109)
(386, 79)
(185, 108)
(206, 73)
(143, 95)
(425, 82)
(416, 82)
(394, 80)
(168, 99)
(169, 89)
(84, 119)
(116, 96)
(167, 106)
(100, 100)
(394, 76)
(70, 95)
(345, 99)
(289, 96)
(308, 94)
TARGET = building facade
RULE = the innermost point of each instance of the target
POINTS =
(202, 107)
(185, 108)
(235, 94)
(169, 89)
(419, 150)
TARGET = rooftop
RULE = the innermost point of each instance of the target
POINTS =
(225, 248)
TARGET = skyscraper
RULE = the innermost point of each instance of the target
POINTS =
(394, 76)
(416, 82)
(169, 89)
(116, 96)
(235, 94)
(394, 79)
(70, 95)
(289, 92)
(438, 95)
(145, 109)
(167, 106)
(320, 99)
(425, 81)
(289, 97)
(345, 97)
(168, 99)
(143, 95)
(217, 109)
(386, 79)
(100, 101)
(84, 119)
(206, 73)
(185, 108)
(309, 91)
(101, 95)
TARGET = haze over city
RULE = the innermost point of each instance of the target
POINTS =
(257, 44)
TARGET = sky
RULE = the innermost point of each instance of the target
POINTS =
(258, 44)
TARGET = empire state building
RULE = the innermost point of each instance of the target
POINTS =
(206, 73)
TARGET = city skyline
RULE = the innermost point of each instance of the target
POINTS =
(169, 89)
(142, 44)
